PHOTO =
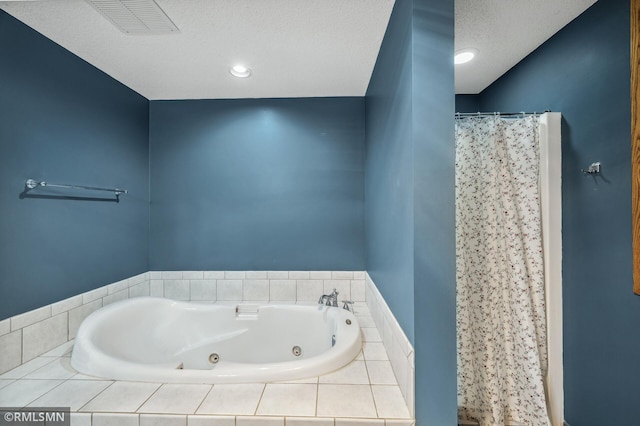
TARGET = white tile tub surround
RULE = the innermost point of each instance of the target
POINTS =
(39, 342)
(228, 290)
(232, 399)
(71, 393)
(33, 333)
(123, 397)
(30, 334)
(26, 336)
(288, 399)
(203, 290)
(177, 289)
(394, 347)
(256, 286)
(10, 350)
(173, 398)
(362, 393)
(5, 326)
(255, 290)
(112, 419)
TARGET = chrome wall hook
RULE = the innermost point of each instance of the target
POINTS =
(593, 169)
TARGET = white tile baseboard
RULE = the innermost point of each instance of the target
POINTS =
(395, 342)
(256, 286)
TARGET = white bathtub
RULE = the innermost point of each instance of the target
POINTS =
(160, 340)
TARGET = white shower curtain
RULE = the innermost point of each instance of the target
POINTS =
(501, 323)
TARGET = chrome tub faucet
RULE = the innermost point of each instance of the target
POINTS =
(331, 299)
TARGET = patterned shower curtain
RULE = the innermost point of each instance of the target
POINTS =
(501, 325)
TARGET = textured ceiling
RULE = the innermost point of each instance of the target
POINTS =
(504, 32)
(295, 48)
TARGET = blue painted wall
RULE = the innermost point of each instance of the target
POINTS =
(434, 212)
(389, 168)
(583, 72)
(267, 184)
(64, 121)
(468, 103)
(409, 197)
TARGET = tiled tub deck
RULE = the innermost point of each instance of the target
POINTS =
(365, 392)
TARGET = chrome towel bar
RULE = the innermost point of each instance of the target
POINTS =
(31, 184)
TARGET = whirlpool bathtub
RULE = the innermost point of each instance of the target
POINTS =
(161, 340)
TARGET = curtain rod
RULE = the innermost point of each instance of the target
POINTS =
(497, 114)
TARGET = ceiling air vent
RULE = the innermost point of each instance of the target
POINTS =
(135, 17)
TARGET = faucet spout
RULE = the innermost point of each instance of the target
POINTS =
(331, 299)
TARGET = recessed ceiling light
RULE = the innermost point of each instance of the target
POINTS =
(240, 71)
(464, 55)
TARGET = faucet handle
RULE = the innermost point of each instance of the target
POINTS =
(346, 303)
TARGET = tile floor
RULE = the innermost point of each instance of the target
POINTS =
(365, 392)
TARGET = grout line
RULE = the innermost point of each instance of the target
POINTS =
(366, 366)
(317, 396)
(374, 403)
(135, 411)
(50, 390)
(204, 399)
(23, 376)
(149, 397)
(95, 396)
(264, 388)
(22, 350)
